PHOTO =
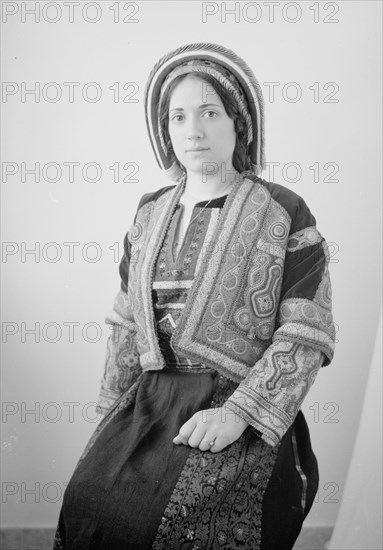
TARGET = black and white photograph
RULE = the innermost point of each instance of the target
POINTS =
(191, 275)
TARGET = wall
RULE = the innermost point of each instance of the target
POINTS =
(333, 63)
(359, 522)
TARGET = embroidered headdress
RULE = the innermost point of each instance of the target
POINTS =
(231, 72)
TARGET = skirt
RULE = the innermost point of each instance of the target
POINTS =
(136, 490)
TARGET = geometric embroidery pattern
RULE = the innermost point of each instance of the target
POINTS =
(303, 238)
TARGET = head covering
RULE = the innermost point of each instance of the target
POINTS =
(228, 69)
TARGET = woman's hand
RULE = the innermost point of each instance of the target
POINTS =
(219, 426)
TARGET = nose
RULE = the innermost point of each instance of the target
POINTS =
(194, 128)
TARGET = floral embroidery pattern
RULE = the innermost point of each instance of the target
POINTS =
(217, 502)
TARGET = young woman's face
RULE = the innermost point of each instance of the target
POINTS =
(197, 118)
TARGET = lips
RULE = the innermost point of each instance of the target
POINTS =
(197, 149)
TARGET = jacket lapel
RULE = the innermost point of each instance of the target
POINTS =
(206, 331)
(206, 279)
(163, 210)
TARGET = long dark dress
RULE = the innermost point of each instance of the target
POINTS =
(136, 490)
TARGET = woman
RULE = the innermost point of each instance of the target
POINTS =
(222, 322)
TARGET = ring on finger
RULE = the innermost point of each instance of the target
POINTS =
(210, 443)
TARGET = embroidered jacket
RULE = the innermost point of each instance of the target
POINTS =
(259, 310)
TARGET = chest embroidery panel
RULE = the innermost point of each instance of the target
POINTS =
(179, 261)
(174, 273)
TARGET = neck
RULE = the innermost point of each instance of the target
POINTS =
(204, 187)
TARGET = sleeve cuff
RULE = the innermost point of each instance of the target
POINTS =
(267, 421)
(105, 401)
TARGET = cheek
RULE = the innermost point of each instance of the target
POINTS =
(174, 132)
(227, 137)
(173, 137)
(176, 142)
(226, 131)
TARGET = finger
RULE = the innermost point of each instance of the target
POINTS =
(219, 444)
(178, 440)
(207, 442)
(215, 448)
(185, 432)
(197, 435)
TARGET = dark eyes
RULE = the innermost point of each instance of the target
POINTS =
(177, 119)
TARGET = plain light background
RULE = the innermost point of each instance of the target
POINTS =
(60, 380)
(359, 522)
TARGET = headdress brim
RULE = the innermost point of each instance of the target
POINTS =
(233, 63)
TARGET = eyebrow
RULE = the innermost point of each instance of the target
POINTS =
(200, 107)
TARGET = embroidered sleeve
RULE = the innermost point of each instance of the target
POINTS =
(122, 363)
(271, 395)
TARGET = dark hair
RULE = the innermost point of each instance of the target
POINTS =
(241, 156)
